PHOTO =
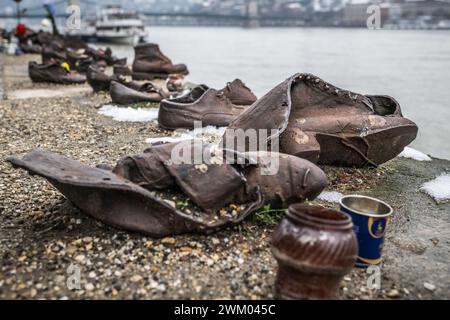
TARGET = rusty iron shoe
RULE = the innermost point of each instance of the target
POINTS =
(98, 79)
(209, 185)
(222, 194)
(104, 55)
(112, 60)
(328, 125)
(239, 93)
(211, 107)
(50, 53)
(81, 62)
(150, 63)
(77, 61)
(128, 93)
(54, 73)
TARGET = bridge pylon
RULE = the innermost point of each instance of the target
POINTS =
(252, 20)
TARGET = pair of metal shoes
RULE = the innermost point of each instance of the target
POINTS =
(203, 104)
(317, 121)
(122, 90)
(54, 72)
(213, 193)
(313, 119)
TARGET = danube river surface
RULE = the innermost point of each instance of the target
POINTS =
(412, 66)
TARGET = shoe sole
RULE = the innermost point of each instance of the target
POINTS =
(371, 150)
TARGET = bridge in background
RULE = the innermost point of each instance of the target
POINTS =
(251, 18)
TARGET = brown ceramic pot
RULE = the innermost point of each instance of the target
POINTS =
(315, 247)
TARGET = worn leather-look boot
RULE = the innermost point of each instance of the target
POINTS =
(211, 107)
(328, 125)
(76, 61)
(223, 193)
(98, 79)
(52, 52)
(123, 93)
(53, 72)
(150, 63)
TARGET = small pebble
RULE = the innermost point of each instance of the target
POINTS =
(394, 293)
(168, 240)
(429, 286)
(136, 278)
(89, 287)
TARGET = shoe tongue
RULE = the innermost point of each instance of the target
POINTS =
(199, 181)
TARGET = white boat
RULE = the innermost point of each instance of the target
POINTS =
(113, 24)
(443, 25)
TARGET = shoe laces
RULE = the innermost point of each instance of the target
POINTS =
(221, 95)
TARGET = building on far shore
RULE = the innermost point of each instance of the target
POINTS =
(355, 14)
(410, 13)
(404, 14)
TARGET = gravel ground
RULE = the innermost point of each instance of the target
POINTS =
(45, 241)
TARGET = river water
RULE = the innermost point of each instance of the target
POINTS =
(412, 66)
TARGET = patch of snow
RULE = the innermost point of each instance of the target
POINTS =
(438, 189)
(330, 196)
(414, 154)
(209, 134)
(129, 114)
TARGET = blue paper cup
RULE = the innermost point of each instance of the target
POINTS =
(370, 218)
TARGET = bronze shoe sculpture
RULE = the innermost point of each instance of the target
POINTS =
(98, 79)
(239, 93)
(104, 55)
(328, 125)
(150, 63)
(211, 107)
(81, 62)
(112, 60)
(128, 93)
(53, 53)
(128, 197)
(54, 73)
(76, 61)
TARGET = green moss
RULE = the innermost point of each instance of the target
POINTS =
(269, 216)
(183, 204)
